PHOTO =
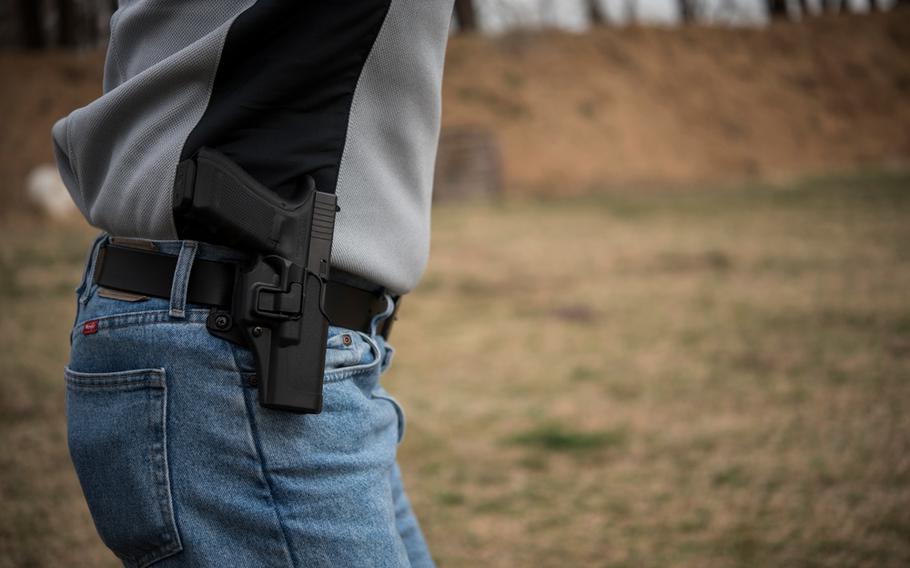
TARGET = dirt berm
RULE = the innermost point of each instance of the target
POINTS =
(574, 113)
(633, 106)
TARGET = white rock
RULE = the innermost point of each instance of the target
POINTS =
(46, 191)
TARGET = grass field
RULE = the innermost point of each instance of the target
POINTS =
(666, 378)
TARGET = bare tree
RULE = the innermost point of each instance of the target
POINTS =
(67, 23)
(80, 23)
(466, 14)
(596, 13)
(31, 22)
(631, 12)
(38, 24)
(687, 11)
(804, 8)
(833, 6)
(777, 9)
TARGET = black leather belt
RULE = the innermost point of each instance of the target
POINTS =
(350, 301)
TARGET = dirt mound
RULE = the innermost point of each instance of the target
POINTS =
(576, 112)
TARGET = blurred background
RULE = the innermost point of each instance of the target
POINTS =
(666, 320)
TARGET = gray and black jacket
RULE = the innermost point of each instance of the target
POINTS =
(346, 91)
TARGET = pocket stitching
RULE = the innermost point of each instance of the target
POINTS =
(381, 394)
(154, 381)
(162, 477)
(138, 378)
(127, 320)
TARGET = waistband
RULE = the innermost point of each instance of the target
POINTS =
(187, 252)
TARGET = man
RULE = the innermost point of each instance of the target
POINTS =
(179, 462)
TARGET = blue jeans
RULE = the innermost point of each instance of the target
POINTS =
(180, 466)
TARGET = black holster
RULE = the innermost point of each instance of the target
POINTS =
(279, 294)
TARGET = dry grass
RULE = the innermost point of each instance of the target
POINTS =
(662, 378)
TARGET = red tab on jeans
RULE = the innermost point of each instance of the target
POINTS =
(90, 327)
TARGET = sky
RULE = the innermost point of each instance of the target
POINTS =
(498, 15)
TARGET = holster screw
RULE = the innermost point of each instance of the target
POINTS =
(257, 331)
(222, 322)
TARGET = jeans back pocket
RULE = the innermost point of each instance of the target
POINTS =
(116, 431)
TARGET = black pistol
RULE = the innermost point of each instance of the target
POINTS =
(278, 300)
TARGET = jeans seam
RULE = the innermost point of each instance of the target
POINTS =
(254, 434)
(167, 499)
(254, 431)
(162, 480)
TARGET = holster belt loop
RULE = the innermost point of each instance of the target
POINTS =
(390, 306)
(182, 278)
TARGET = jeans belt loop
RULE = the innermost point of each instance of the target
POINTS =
(182, 278)
(92, 266)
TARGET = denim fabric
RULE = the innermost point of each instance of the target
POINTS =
(180, 466)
